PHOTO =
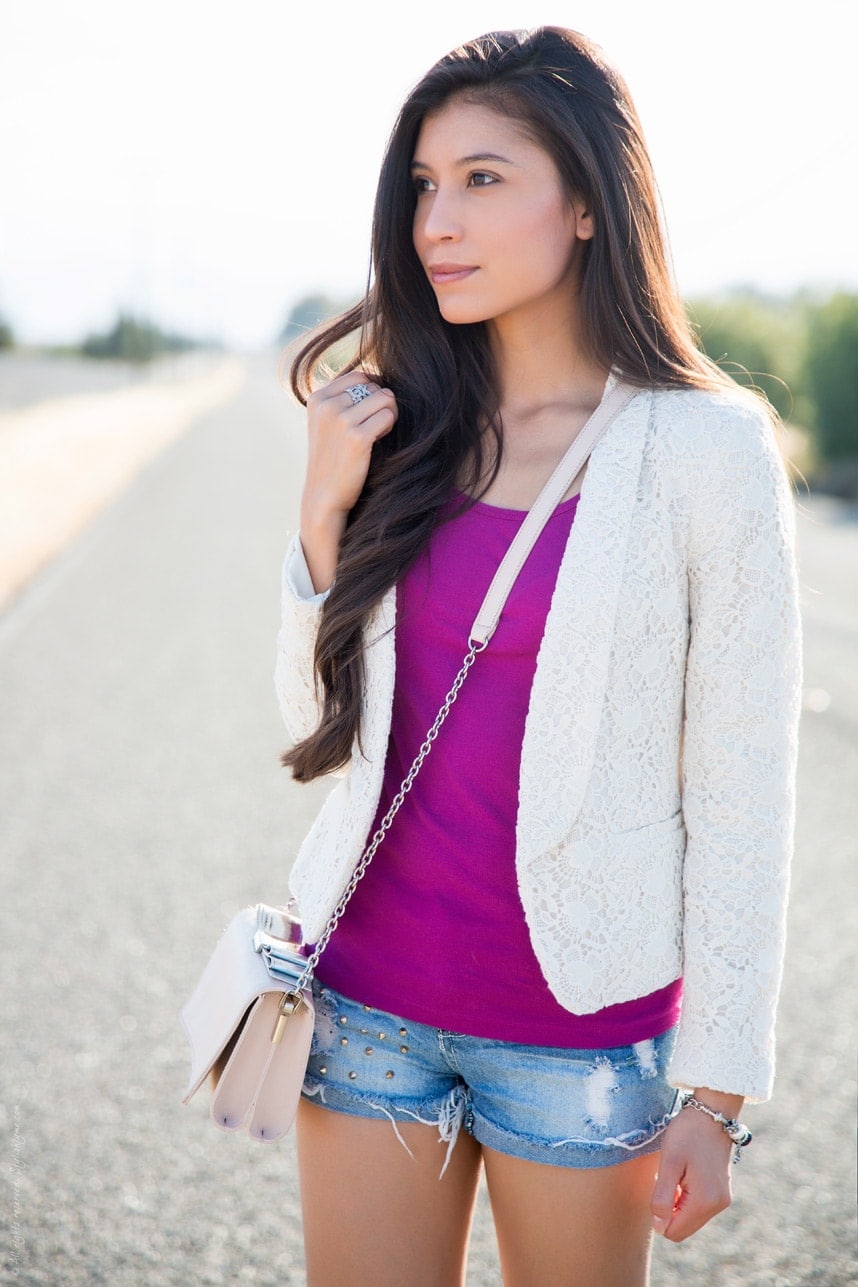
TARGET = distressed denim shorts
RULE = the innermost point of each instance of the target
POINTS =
(579, 1108)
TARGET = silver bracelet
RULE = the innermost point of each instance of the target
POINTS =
(738, 1132)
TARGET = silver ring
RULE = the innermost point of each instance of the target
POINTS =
(357, 393)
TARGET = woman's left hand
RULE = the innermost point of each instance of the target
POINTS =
(693, 1182)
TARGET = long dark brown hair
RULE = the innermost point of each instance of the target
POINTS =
(556, 85)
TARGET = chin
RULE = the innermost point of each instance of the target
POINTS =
(458, 313)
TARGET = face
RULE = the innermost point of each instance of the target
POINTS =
(493, 228)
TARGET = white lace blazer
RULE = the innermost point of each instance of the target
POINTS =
(656, 796)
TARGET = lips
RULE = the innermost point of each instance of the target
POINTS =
(441, 274)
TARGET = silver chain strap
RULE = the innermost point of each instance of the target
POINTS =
(384, 826)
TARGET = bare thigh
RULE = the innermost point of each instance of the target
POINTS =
(375, 1217)
(563, 1227)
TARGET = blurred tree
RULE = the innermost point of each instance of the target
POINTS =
(308, 312)
(831, 372)
(7, 337)
(758, 341)
(134, 340)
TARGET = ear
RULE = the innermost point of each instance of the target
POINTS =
(584, 225)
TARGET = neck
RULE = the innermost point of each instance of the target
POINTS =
(542, 361)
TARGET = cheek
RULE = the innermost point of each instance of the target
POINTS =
(551, 228)
(536, 237)
(417, 234)
(540, 257)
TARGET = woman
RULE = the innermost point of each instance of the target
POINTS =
(578, 912)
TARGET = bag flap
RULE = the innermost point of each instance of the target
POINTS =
(231, 981)
(260, 1086)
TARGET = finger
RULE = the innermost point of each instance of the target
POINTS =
(380, 423)
(342, 381)
(667, 1192)
(335, 389)
(665, 1210)
(694, 1209)
(700, 1194)
(369, 402)
(375, 415)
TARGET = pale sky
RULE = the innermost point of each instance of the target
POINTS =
(207, 163)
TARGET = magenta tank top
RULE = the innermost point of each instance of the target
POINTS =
(435, 931)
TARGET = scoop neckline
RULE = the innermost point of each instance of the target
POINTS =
(506, 512)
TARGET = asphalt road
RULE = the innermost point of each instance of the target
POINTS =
(141, 803)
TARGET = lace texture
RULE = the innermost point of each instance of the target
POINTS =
(656, 799)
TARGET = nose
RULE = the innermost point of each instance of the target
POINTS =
(441, 216)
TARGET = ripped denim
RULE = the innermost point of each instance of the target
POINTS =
(578, 1108)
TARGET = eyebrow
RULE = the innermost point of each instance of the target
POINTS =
(468, 160)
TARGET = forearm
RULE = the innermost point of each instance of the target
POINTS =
(320, 535)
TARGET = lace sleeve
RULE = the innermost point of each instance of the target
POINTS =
(742, 701)
(294, 675)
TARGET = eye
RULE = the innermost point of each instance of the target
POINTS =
(480, 179)
(422, 184)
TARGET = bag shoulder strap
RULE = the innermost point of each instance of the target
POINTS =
(544, 506)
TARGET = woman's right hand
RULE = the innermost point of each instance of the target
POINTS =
(341, 435)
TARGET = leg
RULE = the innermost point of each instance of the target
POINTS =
(566, 1227)
(375, 1217)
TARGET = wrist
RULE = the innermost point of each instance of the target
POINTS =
(729, 1105)
(728, 1122)
(320, 538)
(319, 520)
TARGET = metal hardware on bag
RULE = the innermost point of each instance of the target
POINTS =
(289, 1003)
(263, 942)
(271, 921)
(278, 923)
(261, 939)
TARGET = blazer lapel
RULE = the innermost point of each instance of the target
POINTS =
(380, 662)
(572, 666)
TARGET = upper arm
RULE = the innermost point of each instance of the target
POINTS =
(743, 670)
